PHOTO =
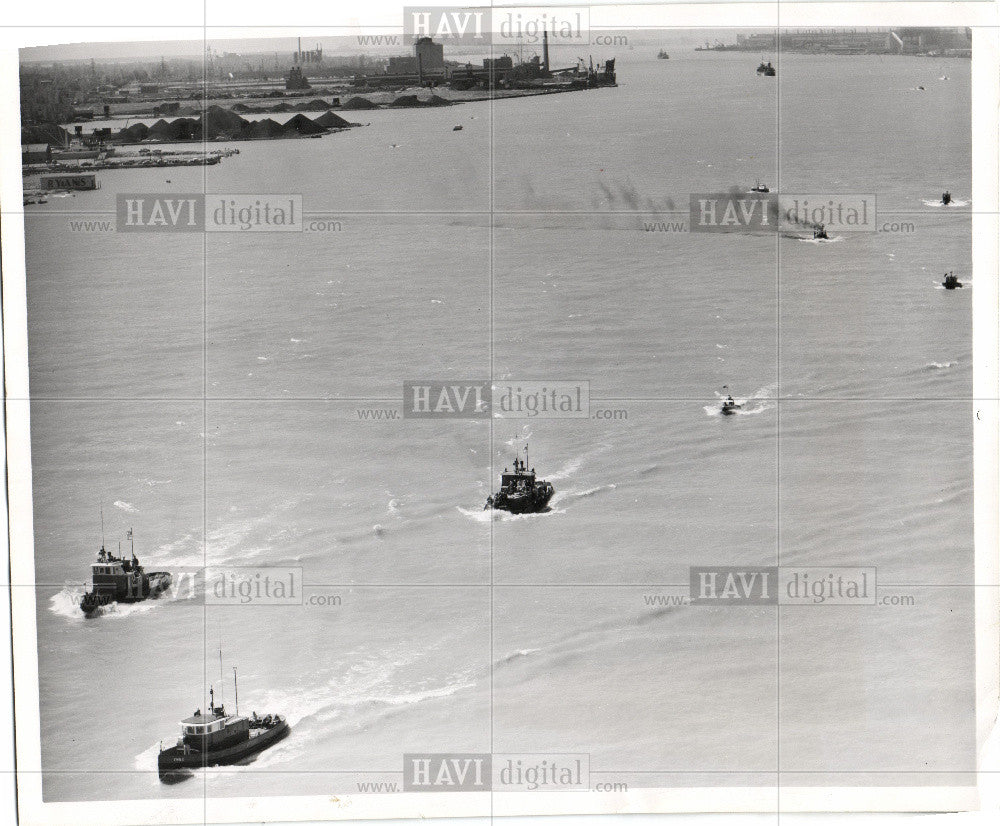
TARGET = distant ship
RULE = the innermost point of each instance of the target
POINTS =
(946, 198)
(662, 55)
(951, 281)
(819, 233)
(521, 491)
(220, 739)
(759, 187)
(766, 69)
(117, 579)
(729, 406)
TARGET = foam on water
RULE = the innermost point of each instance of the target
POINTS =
(128, 507)
(753, 405)
(834, 240)
(955, 202)
(66, 604)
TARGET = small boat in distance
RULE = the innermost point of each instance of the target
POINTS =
(662, 55)
(220, 739)
(521, 491)
(946, 198)
(819, 233)
(951, 281)
(457, 128)
(729, 406)
(117, 579)
(766, 69)
(759, 187)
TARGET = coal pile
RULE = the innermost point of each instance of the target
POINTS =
(360, 103)
(225, 124)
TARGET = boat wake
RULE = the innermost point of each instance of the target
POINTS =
(955, 202)
(833, 240)
(66, 604)
(753, 405)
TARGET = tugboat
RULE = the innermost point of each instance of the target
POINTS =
(819, 233)
(729, 406)
(951, 281)
(520, 491)
(946, 198)
(457, 128)
(759, 187)
(766, 69)
(117, 579)
(220, 739)
(662, 55)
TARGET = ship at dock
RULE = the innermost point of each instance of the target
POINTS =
(216, 738)
(121, 579)
(521, 491)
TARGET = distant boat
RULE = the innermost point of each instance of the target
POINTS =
(766, 69)
(662, 55)
(521, 491)
(951, 281)
(759, 187)
(729, 406)
(457, 128)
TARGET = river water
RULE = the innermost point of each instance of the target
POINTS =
(215, 394)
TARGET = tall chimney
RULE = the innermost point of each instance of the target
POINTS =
(545, 50)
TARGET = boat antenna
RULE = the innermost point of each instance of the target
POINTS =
(526, 454)
(222, 677)
(102, 527)
(236, 690)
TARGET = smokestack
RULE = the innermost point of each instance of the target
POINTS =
(545, 50)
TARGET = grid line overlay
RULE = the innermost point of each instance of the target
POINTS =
(493, 214)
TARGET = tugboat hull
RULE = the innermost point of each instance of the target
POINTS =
(527, 503)
(176, 759)
(155, 584)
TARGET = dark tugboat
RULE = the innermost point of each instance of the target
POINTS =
(662, 55)
(520, 491)
(946, 198)
(220, 739)
(117, 579)
(951, 281)
(766, 69)
(819, 233)
(729, 406)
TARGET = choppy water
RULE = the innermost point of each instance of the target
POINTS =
(291, 335)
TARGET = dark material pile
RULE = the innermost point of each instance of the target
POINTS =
(360, 103)
(44, 133)
(224, 124)
(331, 120)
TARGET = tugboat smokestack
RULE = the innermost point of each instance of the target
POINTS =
(545, 50)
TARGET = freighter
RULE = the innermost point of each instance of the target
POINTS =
(118, 579)
(220, 739)
(521, 491)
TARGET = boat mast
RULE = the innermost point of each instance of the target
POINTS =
(102, 527)
(236, 690)
(222, 678)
